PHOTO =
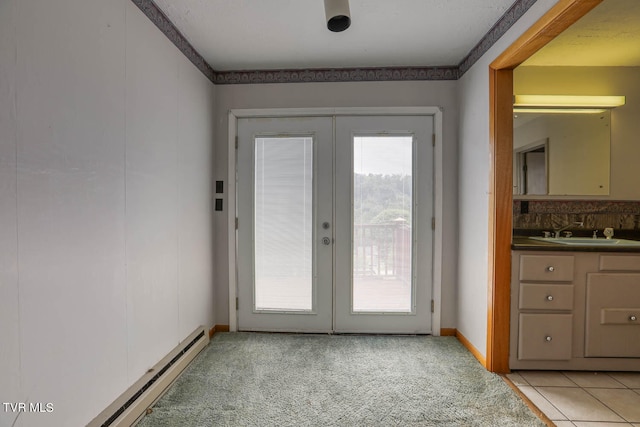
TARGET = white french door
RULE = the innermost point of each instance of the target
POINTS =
(284, 187)
(334, 224)
(383, 209)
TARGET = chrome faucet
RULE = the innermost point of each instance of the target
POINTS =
(556, 233)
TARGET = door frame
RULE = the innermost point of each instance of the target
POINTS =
(560, 17)
(435, 112)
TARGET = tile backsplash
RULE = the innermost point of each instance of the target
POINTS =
(596, 214)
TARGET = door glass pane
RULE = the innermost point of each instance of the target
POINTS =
(382, 220)
(283, 219)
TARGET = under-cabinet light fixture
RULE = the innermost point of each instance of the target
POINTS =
(568, 101)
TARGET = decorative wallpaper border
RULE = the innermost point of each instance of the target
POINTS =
(336, 75)
(155, 15)
(454, 72)
(506, 21)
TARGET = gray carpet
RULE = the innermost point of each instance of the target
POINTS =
(251, 379)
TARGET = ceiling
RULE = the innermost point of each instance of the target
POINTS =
(609, 35)
(291, 34)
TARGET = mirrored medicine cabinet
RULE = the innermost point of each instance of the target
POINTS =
(561, 154)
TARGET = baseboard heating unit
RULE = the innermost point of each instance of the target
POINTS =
(127, 409)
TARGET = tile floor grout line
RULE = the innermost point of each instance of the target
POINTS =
(542, 396)
(607, 374)
(607, 406)
(545, 398)
(627, 386)
(565, 375)
(624, 421)
(567, 416)
(551, 403)
(537, 411)
(616, 380)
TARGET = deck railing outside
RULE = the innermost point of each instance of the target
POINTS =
(382, 251)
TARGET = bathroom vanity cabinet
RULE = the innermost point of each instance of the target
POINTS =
(574, 310)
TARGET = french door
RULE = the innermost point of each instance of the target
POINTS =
(334, 224)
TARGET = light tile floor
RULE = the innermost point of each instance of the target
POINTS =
(583, 399)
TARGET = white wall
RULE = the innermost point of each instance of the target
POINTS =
(106, 140)
(9, 293)
(473, 190)
(625, 126)
(352, 94)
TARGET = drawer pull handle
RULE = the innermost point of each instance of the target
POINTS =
(548, 338)
(633, 318)
(550, 268)
(549, 297)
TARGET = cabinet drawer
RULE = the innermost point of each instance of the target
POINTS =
(545, 336)
(620, 262)
(620, 316)
(535, 296)
(546, 268)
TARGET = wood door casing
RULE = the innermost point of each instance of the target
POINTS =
(557, 19)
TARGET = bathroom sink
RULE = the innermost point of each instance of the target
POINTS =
(587, 241)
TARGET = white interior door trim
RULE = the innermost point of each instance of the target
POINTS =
(235, 114)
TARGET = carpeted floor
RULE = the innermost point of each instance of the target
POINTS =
(252, 379)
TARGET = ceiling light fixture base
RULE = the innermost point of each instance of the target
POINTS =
(338, 15)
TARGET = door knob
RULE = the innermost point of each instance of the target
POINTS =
(326, 241)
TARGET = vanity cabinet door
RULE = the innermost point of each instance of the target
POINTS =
(545, 336)
(613, 315)
(546, 268)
